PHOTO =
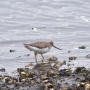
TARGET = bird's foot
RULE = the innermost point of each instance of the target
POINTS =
(28, 65)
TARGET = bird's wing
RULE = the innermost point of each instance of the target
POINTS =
(38, 44)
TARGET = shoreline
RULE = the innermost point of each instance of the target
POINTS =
(47, 76)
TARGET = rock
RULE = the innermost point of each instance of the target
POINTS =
(57, 66)
(20, 70)
(49, 85)
(22, 74)
(82, 47)
(78, 70)
(87, 77)
(64, 89)
(22, 79)
(88, 56)
(51, 72)
(69, 51)
(80, 86)
(44, 77)
(1, 77)
(10, 80)
(52, 58)
(34, 28)
(2, 69)
(63, 63)
(28, 54)
(29, 74)
(12, 50)
(26, 74)
(69, 64)
(78, 79)
(72, 58)
(65, 72)
(87, 87)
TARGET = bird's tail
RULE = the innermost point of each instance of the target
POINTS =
(28, 47)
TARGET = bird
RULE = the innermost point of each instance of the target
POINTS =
(40, 47)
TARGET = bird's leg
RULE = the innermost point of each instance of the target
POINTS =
(36, 57)
(43, 57)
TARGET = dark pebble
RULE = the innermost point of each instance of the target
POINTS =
(12, 50)
(82, 47)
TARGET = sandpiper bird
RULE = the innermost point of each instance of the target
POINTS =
(40, 47)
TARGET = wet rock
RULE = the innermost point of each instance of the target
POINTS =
(27, 74)
(63, 88)
(19, 56)
(10, 80)
(78, 70)
(78, 79)
(72, 58)
(17, 84)
(12, 50)
(57, 66)
(45, 81)
(87, 87)
(23, 74)
(82, 47)
(52, 58)
(2, 69)
(69, 51)
(88, 56)
(44, 77)
(22, 79)
(1, 77)
(42, 86)
(69, 64)
(34, 28)
(65, 72)
(80, 86)
(87, 77)
(49, 85)
(27, 54)
(51, 72)
(83, 69)
(20, 70)
(63, 63)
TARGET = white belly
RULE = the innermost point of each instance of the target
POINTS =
(38, 50)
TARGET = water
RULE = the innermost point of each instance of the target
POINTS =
(66, 23)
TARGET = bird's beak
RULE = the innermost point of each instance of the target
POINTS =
(57, 47)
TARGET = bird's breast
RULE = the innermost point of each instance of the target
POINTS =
(38, 50)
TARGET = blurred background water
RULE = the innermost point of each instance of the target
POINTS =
(65, 22)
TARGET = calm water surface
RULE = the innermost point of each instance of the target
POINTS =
(65, 22)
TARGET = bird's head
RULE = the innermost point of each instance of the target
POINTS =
(52, 44)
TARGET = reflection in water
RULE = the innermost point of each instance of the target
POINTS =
(42, 67)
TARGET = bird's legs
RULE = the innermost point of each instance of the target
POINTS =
(43, 57)
(36, 57)
(31, 61)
